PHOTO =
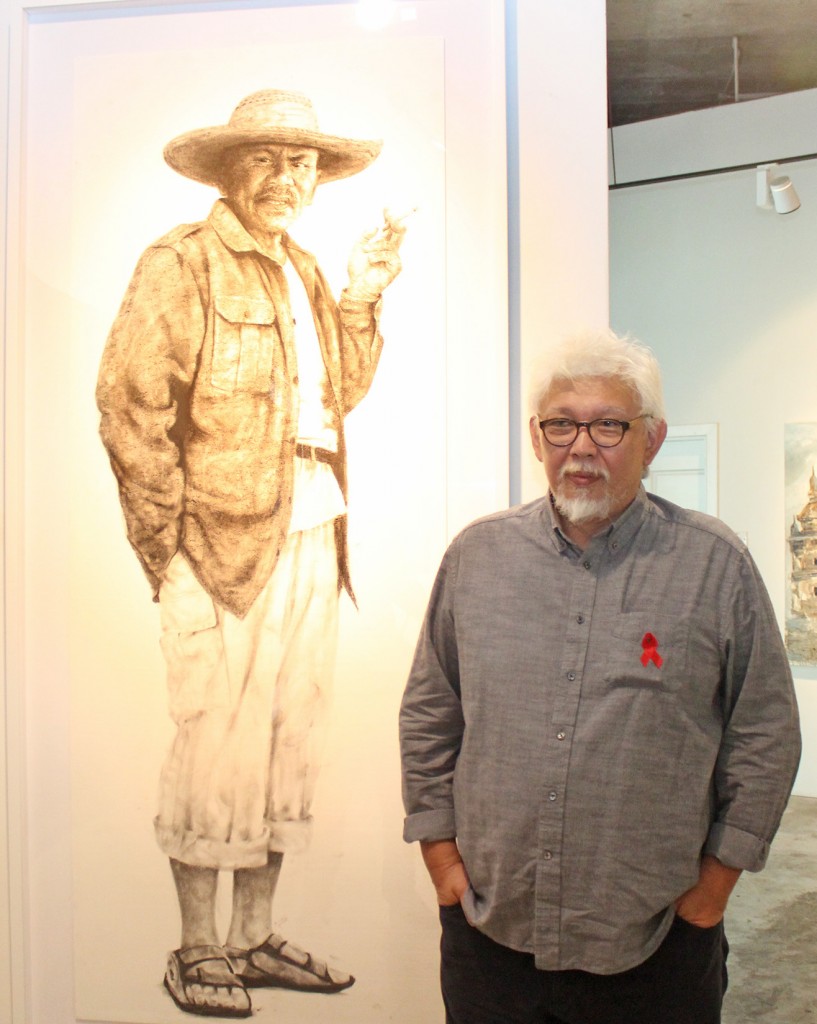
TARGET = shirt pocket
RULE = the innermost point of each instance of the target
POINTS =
(244, 340)
(647, 652)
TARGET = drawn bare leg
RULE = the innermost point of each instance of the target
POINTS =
(199, 976)
(253, 893)
(196, 889)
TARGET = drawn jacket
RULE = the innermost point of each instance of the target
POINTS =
(198, 397)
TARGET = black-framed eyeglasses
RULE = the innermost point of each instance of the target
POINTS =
(606, 433)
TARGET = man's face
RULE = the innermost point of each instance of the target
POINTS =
(591, 484)
(268, 186)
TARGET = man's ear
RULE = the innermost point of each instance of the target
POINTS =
(536, 438)
(656, 435)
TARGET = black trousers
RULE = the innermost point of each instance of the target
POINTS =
(683, 982)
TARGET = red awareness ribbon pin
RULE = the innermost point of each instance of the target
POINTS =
(650, 645)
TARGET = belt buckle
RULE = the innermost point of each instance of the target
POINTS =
(306, 451)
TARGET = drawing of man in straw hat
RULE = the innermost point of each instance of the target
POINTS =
(223, 389)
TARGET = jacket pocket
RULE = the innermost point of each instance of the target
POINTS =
(244, 339)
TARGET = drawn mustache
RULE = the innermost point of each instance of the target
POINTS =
(279, 195)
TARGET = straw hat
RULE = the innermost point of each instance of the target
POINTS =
(274, 116)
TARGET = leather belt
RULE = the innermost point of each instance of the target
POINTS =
(308, 451)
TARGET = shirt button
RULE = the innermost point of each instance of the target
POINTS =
(586, 565)
(547, 855)
(571, 676)
(580, 619)
(614, 545)
(560, 735)
(552, 795)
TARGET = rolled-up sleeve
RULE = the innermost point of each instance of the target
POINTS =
(760, 748)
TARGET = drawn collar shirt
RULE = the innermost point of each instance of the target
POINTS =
(588, 723)
(316, 494)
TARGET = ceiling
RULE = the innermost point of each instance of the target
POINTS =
(670, 56)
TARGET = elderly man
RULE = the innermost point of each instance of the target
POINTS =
(599, 732)
(223, 389)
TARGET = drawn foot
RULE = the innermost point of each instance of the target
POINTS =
(202, 980)
(276, 963)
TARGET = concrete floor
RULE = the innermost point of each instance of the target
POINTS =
(771, 925)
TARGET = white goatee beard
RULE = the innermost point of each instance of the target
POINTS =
(583, 509)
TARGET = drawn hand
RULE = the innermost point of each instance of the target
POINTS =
(375, 261)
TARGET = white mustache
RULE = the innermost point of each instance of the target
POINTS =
(577, 468)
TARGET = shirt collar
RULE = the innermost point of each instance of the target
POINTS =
(629, 522)
(233, 233)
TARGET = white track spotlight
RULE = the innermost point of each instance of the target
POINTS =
(784, 196)
(775, 191)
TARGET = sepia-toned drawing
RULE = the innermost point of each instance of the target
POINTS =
(801, 511)
(223, 389)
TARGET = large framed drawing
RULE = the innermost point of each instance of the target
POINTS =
(96, 93)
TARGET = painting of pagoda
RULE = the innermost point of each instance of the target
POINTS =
(801, 507)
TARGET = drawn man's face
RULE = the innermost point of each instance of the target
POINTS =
(268, 186)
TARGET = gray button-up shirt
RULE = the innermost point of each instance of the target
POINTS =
(588, 723)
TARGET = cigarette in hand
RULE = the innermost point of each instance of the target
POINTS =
(394, 223)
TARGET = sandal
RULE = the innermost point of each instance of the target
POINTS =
(201, 980)
(276, 963)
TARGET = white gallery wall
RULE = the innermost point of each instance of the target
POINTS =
(726, 295)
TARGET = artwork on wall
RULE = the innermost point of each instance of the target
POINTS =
(104, 95)
(224, 387)
(801, 542)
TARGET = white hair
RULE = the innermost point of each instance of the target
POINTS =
(601, 353)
